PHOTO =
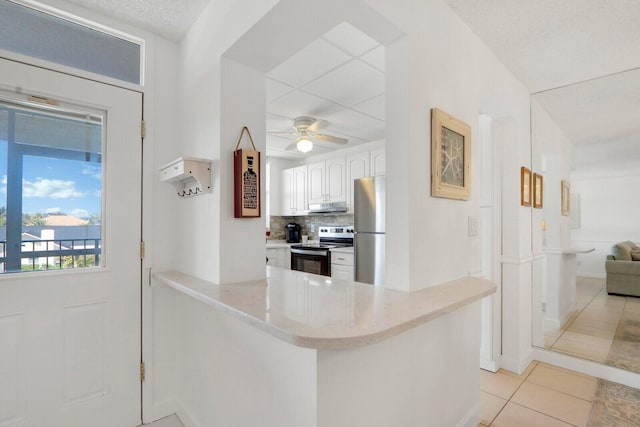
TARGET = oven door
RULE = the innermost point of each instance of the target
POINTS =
(311, 261)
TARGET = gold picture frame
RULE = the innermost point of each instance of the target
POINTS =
(538, 191)
(450, 156)
(525, 186)
(565, 205)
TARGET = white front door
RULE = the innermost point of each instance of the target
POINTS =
(70, 338)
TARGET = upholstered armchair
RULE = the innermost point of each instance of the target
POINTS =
(623, 270)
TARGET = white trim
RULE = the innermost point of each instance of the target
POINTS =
(64, 69)
(516, 260)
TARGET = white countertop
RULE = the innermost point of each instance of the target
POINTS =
(276, 244)
(313, 311)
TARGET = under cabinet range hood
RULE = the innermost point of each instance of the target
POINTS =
(327, 207)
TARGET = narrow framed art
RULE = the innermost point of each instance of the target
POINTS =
(525, 186)
(565, 205)
(538, 190)
(450, 156)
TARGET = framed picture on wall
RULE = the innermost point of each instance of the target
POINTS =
(525, 186)
(450, 156)
(565, 204)
(538, 182)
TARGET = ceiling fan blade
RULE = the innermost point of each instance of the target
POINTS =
(317, 125)
(291, 146)
(329, 138)
(283, 133)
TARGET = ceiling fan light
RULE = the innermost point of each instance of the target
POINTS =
(304, 145)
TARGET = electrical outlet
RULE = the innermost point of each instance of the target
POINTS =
(473, 224)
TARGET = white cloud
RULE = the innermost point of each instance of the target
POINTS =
(52, 188)
(94, 172)
(52, 210)
(80, 213)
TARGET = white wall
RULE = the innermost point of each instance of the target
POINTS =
(609, 206)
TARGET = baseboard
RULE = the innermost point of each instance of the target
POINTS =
(591, 275)
(489, 365)
(186, 416)
(517, 366)
(472, 417)
(163, 409)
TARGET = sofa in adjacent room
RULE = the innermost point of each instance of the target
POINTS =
(623, 270)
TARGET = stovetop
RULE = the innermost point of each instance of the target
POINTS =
(331, 237)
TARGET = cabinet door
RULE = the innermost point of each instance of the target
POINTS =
(287, 194)
(300, 190)
(342, 272)
(378, 162)
(315, 178)
(272, 257)
(357, 167)
(284, 258)
(335, 181)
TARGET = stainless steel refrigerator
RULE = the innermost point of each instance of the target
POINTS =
(369, 221)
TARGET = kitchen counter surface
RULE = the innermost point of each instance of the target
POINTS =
(313, 311)
(278, 244)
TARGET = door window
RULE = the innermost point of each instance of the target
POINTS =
(51, 188)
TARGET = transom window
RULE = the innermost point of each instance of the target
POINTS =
(51, 188)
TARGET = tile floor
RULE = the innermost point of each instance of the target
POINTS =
(170, 421)
(543, 396)
(590, 331)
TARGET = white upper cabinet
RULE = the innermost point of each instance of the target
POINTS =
(294, 191)
(327, 181)
(357, 166)
(378, 162)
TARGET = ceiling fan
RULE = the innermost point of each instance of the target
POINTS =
(305, 130)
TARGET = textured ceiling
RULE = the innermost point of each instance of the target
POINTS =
(168, 18)
(551, 43)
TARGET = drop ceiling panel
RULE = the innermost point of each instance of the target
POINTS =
(354, 124)
(298, 103)
(276, 89)
(314, 60)
(349, 85)
(375, 58)
(373, 107)
(352, 40)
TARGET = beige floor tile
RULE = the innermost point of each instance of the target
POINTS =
(499, 384)
(562, 406)
(569, 371)
(551, 337)
(601, 315)
(518, 416)
(491, 406)
(564, 381)
(585, 328)
(589, 347)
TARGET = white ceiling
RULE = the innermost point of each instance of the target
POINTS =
(339, 78)
(169, 18)
(547, 44)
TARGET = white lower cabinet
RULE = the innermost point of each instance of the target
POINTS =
(342, 265)
(279, 257)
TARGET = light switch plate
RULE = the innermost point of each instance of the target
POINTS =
(473, 226)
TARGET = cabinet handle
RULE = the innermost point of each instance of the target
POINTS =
(341, 259)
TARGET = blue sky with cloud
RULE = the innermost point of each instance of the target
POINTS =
(56, 185)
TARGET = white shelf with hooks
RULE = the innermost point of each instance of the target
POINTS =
(189, 176)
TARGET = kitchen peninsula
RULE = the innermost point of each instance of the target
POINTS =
(299, 349)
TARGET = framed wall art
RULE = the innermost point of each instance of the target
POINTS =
(246, 180)
(565, 203)
(450, 156)
(538, 183)
(525, 186)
